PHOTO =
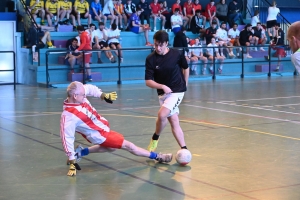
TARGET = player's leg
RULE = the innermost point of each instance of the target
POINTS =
(176, 130)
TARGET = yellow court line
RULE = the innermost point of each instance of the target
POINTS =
(213, 124)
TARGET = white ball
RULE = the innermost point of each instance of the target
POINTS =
(183, 157)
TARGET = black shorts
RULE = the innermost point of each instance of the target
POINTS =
(114, 43)
(102, 44)
(271, 23)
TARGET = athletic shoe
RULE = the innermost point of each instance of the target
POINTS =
(277, 69)
(255, 48)
(262, 49)
(51, 47)
(89, 78)
(203, 71)
(248, 56)
(112, 60)
(121, 59)
(220, 71)
(153, 145)
(211, 71)
(166, 158)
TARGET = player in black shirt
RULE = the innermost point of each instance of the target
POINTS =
(246, 38)
(168, 72)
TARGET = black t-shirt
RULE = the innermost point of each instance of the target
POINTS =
(209, 34)
(244, 36)
(167, 70)
(257, 32)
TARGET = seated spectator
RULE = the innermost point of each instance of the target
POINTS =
(210, 12)
(223, 40)
(72, 58)
(180, 39)
(146, 11)
(234, 13)
(155, 14)
(197, 6)
(176, 21)
(278, 41)
(165, 12)
(255, 18)
(119, 11)
(65, 9)
(198, 23)
(108, 11)
(38, 9)
(96, 11)
(222, 10)
(129, 9)
(113, 36)
(211, 32)
(190, 58)
(260, 36)
(99, 41)
(247, 38)
(81, 10)
(51, 12)
(136, 27)
(189, 11)
(198, 53)
(234, 35)
(213, 53)
(184, 18)
(43, 39)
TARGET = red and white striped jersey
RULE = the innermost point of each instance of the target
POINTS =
(84, 119)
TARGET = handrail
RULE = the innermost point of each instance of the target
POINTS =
(14, 69)
(119, 66)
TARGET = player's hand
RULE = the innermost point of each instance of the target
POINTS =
(166, 89)
(109, 97)
(73, 167)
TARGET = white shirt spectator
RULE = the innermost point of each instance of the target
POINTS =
(78, 38)
(198, 50)
(109, 4)
(222, 34)
(114, 33)
(99, 34)
(233, 33)
(176, 18)
(210, 50)
(272, 13)
(254, 20)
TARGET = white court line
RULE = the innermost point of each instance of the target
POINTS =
(259, 116)
(288, 104)
(260, 99)
(260, 108)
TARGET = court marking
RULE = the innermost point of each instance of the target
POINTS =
(261, 99)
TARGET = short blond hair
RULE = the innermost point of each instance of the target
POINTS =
(73, 88)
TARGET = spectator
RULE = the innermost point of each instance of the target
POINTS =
(96, 11)
(136, 27)
(223, 39)
(81, 10)
(234, 13)
(119, 11)
(189, 11)
(129, 8)
(222, 10)
(176, 21)
(65, 9)
(165, 12)
(51, 10)
(180, 39)
(190, 58)
(260, 34)
(210, 12)
(234, 35)
(255, 18)
(278, 42)
(72, 58)
(198, 23)
(85, 40)
(211, 32)
(43, 39)
(198, 53)
(146, 11)
(108, 11)
(99, 39)
(155, 14)
(38, 9)
(213, 53)
(247, 38)
(273, 11)
(184, 18)
(113, 36)
(197, 6)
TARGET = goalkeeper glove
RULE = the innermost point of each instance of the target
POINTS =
(73, 167)
(109, 97)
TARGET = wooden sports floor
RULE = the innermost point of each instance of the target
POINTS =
(243, 134)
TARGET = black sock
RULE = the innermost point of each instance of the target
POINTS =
(155, 136)
(184, 147)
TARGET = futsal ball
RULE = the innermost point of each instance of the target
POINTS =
(183, 157)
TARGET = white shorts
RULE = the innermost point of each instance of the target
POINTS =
(171, 101)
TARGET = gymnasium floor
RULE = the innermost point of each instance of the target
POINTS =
(243, 134)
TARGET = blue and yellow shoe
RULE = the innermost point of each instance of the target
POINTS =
(153, 145)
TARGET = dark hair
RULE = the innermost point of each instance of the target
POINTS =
(235, 24)
(258, 23)
(80, 28)
(177, 10)
(101, 24)
(92, 25)
(223, 23)
(256, 12)
(114, 26)
(248, 25)
(277, 24)
(212, 0)
(214, 22)
(74, 39)
(161, 36)
(198, 11)
(138, 9)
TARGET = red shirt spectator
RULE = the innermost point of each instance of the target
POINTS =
(155, 8)
(188, 8)
(211, 8)
(176, 5)
(197, 7)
